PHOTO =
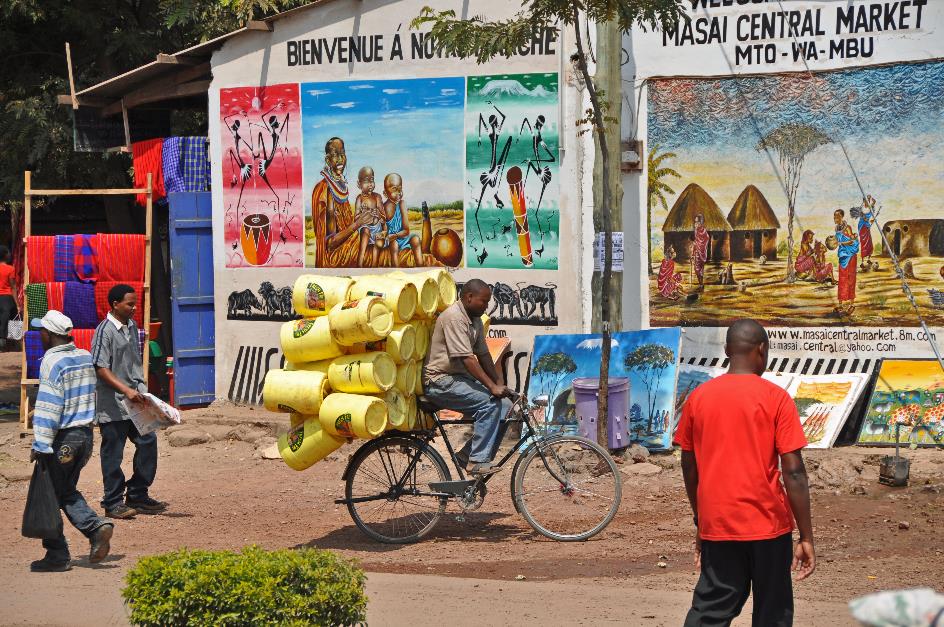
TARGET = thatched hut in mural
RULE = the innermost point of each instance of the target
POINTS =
(679, 227)
(754, 226)
(915, 238)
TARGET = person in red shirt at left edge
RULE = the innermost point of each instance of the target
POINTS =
(737, 433)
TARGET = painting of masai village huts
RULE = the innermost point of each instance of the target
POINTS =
(565, 372)
(774, 196)
(908, 394)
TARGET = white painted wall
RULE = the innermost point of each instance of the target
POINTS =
(245, 350)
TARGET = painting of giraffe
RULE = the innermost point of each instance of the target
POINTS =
(908, 393)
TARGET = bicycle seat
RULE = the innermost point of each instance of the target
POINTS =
(426, 405)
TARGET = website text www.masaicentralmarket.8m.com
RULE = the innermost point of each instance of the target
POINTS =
(843, 341)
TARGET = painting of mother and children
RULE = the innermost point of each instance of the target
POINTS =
(783, 197)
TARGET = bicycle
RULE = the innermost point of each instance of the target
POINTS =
(397, 486)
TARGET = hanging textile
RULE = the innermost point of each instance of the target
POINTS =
(83, 338)
(195, 164)
(102, 307)
(79, 305)
(64, 258)
(39, 255)
(36, 303)
(33, 347)
(55, 295)
(171, 162)
(146, 157)
(86, 263)
(120, 257)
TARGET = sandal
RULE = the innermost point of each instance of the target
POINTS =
(482, 468)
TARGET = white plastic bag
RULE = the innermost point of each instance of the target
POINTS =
(919, 607)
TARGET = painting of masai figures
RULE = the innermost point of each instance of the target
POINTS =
(512, 185)
(383, 173)
(782, 197)
(262, 176)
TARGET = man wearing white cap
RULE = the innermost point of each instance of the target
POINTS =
(62, 437)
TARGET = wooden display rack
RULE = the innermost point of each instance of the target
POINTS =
(29, 193)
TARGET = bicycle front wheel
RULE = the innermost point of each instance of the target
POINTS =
(388, 491)
(567, 488)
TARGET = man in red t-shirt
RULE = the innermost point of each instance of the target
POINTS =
(732, 431)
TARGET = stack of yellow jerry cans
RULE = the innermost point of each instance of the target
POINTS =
(354, 361)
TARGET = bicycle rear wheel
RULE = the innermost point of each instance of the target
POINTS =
(387, 489)
(570, 494)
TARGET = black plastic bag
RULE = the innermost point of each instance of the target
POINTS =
(41, 518)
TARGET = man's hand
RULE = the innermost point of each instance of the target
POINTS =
(134, 396)
(804, 559)
(697, 551)
(502, 391)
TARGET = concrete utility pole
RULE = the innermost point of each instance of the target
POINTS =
(608, 79)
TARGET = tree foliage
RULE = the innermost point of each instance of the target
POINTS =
(552, 368)
(650, 361)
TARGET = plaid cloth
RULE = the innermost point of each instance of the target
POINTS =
(83, 338)
(146, 157)
(120, 257)
(64, 258)
(33, 346)
(79, 305)
(171, 161)
(86, 251)
(39, 254)
(141, 345)
(101, 299)
(36, 303)
(195, 164)
(56, 295)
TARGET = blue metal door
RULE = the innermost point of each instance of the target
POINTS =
(191, 270)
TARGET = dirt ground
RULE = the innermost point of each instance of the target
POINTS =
(223, 495)
(760, 293)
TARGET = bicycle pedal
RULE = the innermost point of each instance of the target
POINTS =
(457, 488)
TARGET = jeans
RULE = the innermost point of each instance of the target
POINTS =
(7, 311)
(467, 395)
(72, 449)
(730, 569)
(114, 436)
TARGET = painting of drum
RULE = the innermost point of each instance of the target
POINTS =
(260, 134)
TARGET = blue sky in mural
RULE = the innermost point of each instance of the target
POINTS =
(412, 127)
(888, 118)
(585, 349)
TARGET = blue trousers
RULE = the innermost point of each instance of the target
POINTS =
(114, 436)
(71, 449)
(467, 395)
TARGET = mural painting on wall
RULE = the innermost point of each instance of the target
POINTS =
(644, 368)
(269, 303)
(512, 186)
(909, 395)
(522, 304)
(385, 173)
(262, 176)
(755, 210)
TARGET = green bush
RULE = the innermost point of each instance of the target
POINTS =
(254, 587)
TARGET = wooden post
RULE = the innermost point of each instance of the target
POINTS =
(146, 353)
(27, 215)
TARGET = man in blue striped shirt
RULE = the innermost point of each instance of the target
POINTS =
(62, 437)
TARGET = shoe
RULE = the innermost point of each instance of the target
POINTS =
(121, 512)
(100, 542)
(46, 566)
(147, 505)
(482, 469)
(462, 458)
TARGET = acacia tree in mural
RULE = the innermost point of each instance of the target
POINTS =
(552, 368)
(482, 39)
(657, 189)
(792, 142)
(650, 361)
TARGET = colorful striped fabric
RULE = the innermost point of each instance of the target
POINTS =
(79, 305)
(86, 263)
(101, 299)
(56, 295)
(64, 258)
(36, 303)
(83, 338)
(120, 257)
(195, 164)
(39, 253)
(33, 346)
(146, 157)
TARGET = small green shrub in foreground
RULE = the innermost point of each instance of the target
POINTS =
(254, 587)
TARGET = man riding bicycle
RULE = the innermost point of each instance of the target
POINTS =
(459, 374)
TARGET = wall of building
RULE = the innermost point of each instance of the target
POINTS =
(728, 94)
(355, 70)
